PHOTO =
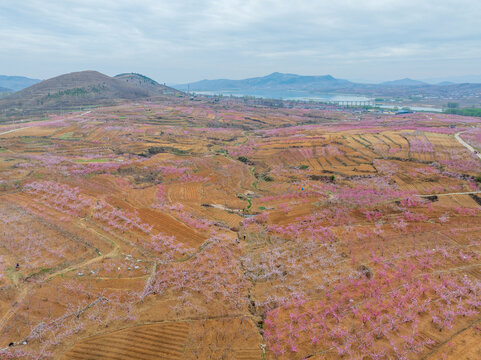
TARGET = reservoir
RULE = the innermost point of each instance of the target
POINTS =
(308, 96)
(287, 95)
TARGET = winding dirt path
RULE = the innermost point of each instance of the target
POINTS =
(11, 131)
(27, 127)
(470, 148)
(465, 144)
(454, 193)
(29, 287)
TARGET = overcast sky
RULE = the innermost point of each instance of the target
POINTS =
(177, 41)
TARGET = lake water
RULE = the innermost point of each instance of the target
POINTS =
(307, 96)
(414, 108)
(287, 95)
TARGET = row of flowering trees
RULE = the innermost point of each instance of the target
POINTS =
(301, 276)
(316, 289)
(377, 314)
(83, 308)
(211, 280)
(33, 244)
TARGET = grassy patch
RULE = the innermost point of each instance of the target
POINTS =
(66, 136)
(254, 184)
(464, 112)
(87, 161)
(41, 271)
(37, 175)
(28, 139)
(14, 275)
(164, 149)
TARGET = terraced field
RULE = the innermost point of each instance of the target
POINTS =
(141, 342)
(220, 230)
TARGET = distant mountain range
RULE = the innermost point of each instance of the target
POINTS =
(274, 81)
(404, 82)
(15, 83)
(93, 88)
(467, 79)
(326, 83)
(278, 81)
(80, 89)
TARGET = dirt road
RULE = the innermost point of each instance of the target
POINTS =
(27, 127)
(466, 145)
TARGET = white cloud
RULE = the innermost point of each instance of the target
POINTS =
(183, 40)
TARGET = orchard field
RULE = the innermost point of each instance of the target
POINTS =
(202, 230)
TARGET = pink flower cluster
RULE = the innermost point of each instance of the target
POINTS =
(363, 316)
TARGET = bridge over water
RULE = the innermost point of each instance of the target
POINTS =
(353, 103)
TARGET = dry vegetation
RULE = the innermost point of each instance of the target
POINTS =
(195, 230)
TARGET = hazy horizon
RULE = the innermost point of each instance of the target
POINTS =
(187, 41)
(459, 79)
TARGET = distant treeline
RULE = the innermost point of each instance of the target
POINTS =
(465, 112)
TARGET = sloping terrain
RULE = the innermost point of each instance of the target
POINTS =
(147, 84)
(178, 229)
(80, 89)
(142, 343)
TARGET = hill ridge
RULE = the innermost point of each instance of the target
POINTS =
(16, 83)
(81, 88)
(275, 80)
